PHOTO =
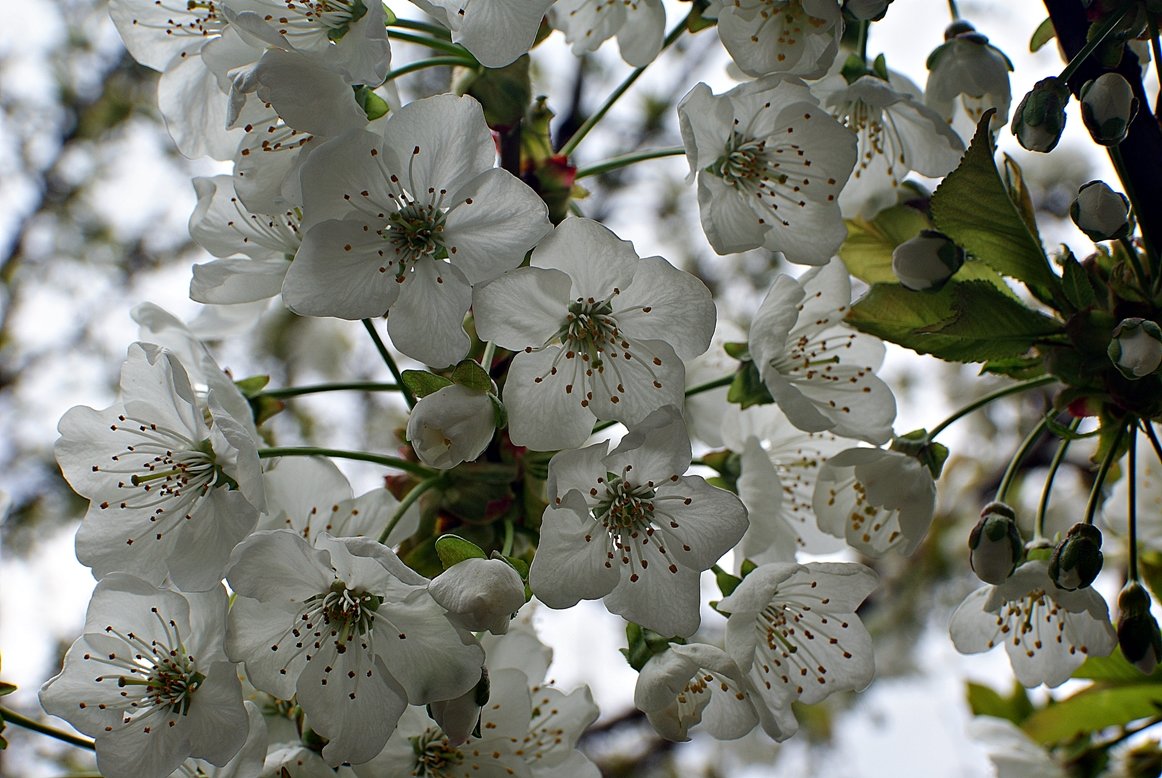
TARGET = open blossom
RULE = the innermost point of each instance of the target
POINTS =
(638, 24)
(172, 475)
(793, 630)
(1047, 632)
(695, 684)
(496, 32)
(407, 222)
(598, 333)
(149, 682)
(627, 525)
(770, 164)
(788, 37)
(821, 372)
(968, 70)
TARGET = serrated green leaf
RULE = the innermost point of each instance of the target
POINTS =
(1022, 368)
(1076, 283)
(453, 548)
(747, 388)
(1092, 709)
(970, 321)
(1019, 193)
(973, 208)
(469, 374)
(986, 701)
(421, 383)
(1044, 33)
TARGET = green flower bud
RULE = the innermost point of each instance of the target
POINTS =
(1138, 633)
(1100, 212)
(1108, 106)
(1040, 118)
(995, 545)
(1077, 560)
(927, 261)
(866, 10)
(1136, 348)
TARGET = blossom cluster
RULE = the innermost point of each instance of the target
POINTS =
(536, 330)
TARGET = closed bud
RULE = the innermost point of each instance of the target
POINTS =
(1108, 106)
(1100, 212)
(479, 594)
(995, 545)
(927, 261)
(866, 10)
(1077, 560)
(1136, 348)
(1040, 118)
(450, 426)
(1138, 634)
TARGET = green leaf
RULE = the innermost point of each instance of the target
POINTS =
(453, 548)
(1019, 193)
(1022, 368)
(472, 376)
(422, 383)
(1115, 670)
(969, 321)
(747, 388)
(1092, 709)
(973, 208)
(1042, 35)
(252, 385)
(1076, 283)
(986, 701)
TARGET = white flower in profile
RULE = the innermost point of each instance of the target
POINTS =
(496, 32)
(172, 474)
(793, 630)
(1047, 632)
(780, 464)
(599, 333)
(897, 134)
(638, 24)
(454, 424)
(693, 684)
(878, 499)
(627, 525)
(479, 594)
(967, 71)
(788, 37)
(406, 222)
(348, 628)
(770, 164)
(1013, 753)
(149, 682)
(819, 371)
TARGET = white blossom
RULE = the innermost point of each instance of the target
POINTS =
(638, 24)
(479, 594)
(788, 37)
(693, 684)
(454, 424)
(496, 32)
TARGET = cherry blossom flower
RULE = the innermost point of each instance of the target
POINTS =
(407, 222)
(454, 424)
(149, 682)
(479, 594)
(348, 628)
(1047, 632)
(603, 334)
(627, 526)
(793, 630)
(877, 499)
(968, 71)
(788, 37)
(172, 475)
(820, 372)
(638, 24)
(693, 684)
(496, 32)
(770, 164)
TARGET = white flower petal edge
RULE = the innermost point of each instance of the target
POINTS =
(695, 684)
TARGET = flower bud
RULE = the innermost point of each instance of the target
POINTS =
(1077, 560)
(995, 545)
(451, 425)
(1100, 212)
(867, 10)
(927, 261)
(1108, 106)
(1138, 634)
(1040, 118)
(1136, 348)
(479, 594)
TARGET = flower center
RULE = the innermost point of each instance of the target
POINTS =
(745, 162)
(590, 328)
(434, 754)
(348, 612)
(415, 231)
(625, 506)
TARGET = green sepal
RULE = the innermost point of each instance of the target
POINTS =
(747, 567)
(918, 445)
(986, 701)
(727, 583)
(453, 548)
(880, 67)
(643, 644)
(469, 374)
(264, 408)
(252, 385)
(1078, 287)
(421, 383)
(499, 413)
(747, 388)
(739, 351)
(373, 105)
(697, 20)
(1044, 33)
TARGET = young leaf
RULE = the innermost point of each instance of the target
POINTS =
(422, 383)
(453, 548)
(1093, 709)
(472, 376)
(1042, 35)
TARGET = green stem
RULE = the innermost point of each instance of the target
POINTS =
(952, 9)
(12, 717)
(509, 537)
(709, 385)
(1039, 522)
(1102, 471)
(352, 386)
(362, 456)
(437, 44)
(408, 501)
(626, 160)
(434, 30)
(1133, 507)
(488, 355)
(408, 397)
(430, 62)
(571, 144)
(988, 398)
(861, 41)
(1139, 271)
(1018, 457)
(1096, 38)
